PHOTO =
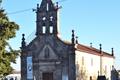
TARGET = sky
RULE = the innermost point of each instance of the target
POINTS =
(94, 21)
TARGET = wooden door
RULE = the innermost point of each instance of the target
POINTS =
(47, 76)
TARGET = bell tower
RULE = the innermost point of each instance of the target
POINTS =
(47, 57)
(46, 18)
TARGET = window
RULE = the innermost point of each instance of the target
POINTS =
(51, 29)
(82, 60)
(105, 69)
(47, 7)
(91, 61)
(51, 18)
(44, 18)
(44, 29)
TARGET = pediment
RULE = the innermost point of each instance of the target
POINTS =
(48, 53)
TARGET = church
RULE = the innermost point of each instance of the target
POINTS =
(47, 57)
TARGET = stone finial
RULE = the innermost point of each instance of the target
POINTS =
(112, 51)
(73, 37)
(76, 40)
(23, 40)
(56, 5)
(37, 5)
(36, 10)
(90, 44)
(23, 36)
(100, 48)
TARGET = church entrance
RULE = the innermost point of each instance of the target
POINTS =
(47, 76)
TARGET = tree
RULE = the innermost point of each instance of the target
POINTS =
(7, 31)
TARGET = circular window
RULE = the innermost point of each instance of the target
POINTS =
(44, 18)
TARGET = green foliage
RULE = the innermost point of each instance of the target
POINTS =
(7, 31)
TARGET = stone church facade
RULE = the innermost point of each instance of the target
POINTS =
(47, 57)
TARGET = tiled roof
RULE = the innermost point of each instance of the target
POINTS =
(92, 50)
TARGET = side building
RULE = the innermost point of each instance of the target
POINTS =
(91, 62)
